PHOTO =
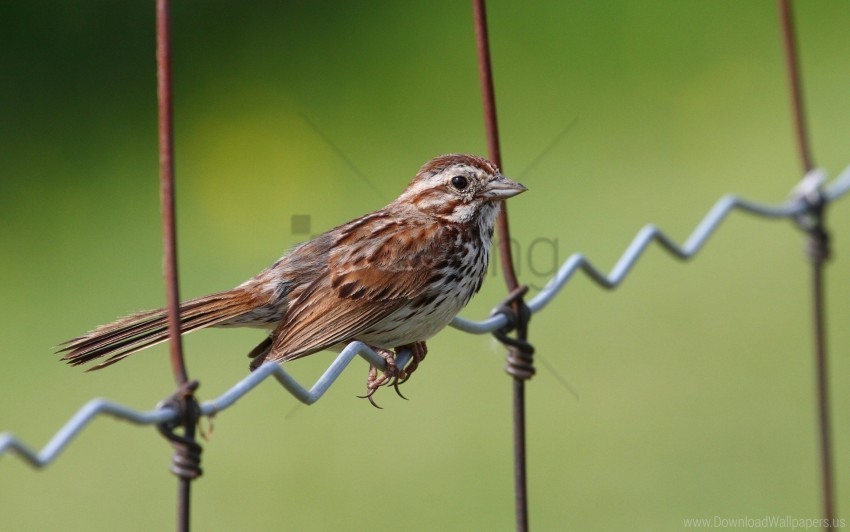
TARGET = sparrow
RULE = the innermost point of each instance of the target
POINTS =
(391, 279)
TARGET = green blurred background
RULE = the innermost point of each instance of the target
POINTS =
(695, 380)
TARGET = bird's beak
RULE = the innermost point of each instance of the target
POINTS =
(503, 188)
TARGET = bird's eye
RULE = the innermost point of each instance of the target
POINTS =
(460, 182)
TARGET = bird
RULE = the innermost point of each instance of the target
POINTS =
(391, 279)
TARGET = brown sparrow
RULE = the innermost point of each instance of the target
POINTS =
(390, 279)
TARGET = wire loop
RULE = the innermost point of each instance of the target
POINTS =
(520, 357)
(186, 460)
(811, 220)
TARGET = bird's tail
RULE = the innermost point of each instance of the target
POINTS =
(130, 334)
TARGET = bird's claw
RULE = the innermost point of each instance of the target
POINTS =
(393, 375)
(418, 350)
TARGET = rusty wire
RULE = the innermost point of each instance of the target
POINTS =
(187, 452)
(520, 359)
(792, 62)
(817, 249)
(166, 184)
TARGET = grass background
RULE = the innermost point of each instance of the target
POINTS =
(695, 380)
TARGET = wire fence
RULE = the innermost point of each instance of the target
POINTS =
(180, 412)
(798, 205)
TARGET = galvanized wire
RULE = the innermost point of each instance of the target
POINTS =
(797, 205)
(97, 407)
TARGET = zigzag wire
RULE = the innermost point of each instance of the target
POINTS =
(793, 207)
(96, 407)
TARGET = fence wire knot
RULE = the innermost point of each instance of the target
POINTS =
(811, 220)
(186, 460)
(520, 357)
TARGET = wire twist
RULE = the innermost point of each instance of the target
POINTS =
(812, 219)
(520, 357)
(186, 460)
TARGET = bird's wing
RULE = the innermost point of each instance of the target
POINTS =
(374, 268)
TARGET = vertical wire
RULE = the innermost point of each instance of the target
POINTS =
(485, 72)
(166, 172)
(822, 383)
(818, 253)
(786, 20)
(520, 465)
(169, 237)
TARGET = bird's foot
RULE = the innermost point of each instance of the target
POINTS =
(391, 375)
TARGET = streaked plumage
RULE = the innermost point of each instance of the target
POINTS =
(389, 279)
